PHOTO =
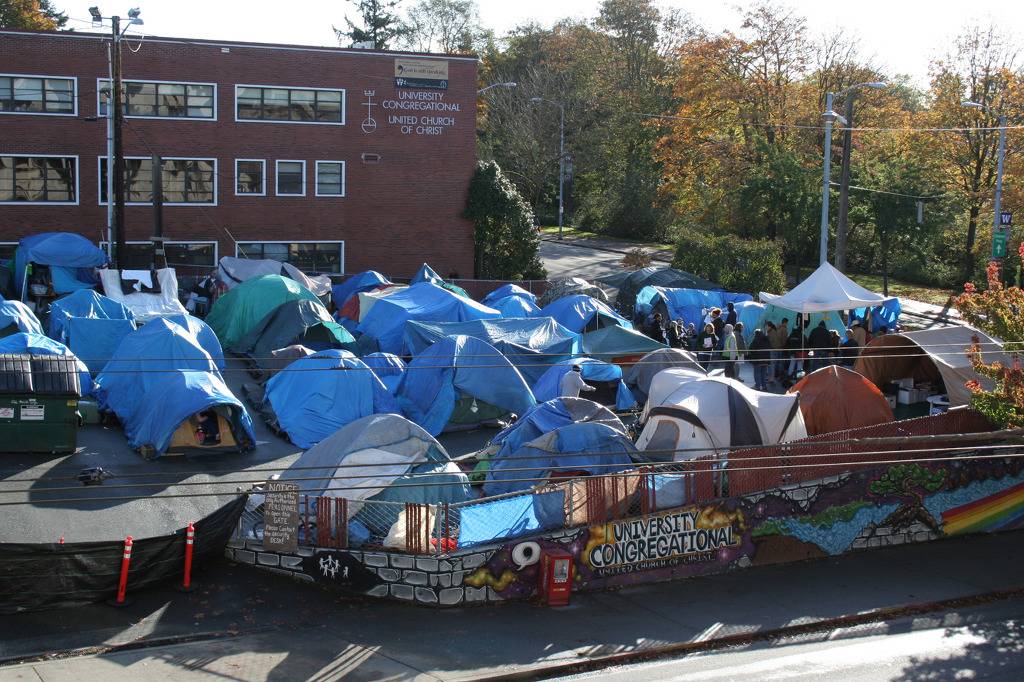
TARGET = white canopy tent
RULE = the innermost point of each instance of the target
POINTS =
(825, 290)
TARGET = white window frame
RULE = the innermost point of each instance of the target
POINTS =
(263, 193)
(339, 242)
(316, 179)
(277, 193)
(100, 185)
(78, 180)
(170, 242)
(344, 102)
(74, 95)
(99, 99)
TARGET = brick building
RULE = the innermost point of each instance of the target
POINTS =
(337, 160)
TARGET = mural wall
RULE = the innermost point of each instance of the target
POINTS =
(889, 505)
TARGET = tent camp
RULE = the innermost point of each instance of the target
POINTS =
(359, 304)
(937, 356)
(37, 344)
(460, 382)
(241, 309)
(603, 376)
(385, 323)
(824, 290)
(69, 257)
(388, 367)
(688, 305)
(630, 285)
(428, 274)
(233, 271)
(576, 449)
(376, 458)
(886, 315)
(316, 395)
(146, 294)
(618, 345)
(16, 317)
(169, 396)
(531, 344)
(204, 334)
(571, 286)
(581, 313)
(515, 306)
(295, 322)
(834, 398)
(638, 378)
(833, 320)
(506, 290)
(691, 416)
(750, 314)
(84, 303)
(367, 280)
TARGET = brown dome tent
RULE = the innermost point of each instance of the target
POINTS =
(835, 398)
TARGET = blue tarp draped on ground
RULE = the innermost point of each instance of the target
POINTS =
(385, 323)
(581, 313)
(56, 248)
(530, 344)
(388, 367)
(19, 315)
(548, 386)
(886, 315)
(459, 366)
(508, 290)
(43, 345)
(95, 340)
(511, 517)
(588, 447)
(688, 305)
(363, 281)
(316, 395)
(515, 306)
(85, 303)
(204, 334)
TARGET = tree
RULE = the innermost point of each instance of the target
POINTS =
(911, 482)
(380, 24)
(448, 26)
(505, 242)
(35, 15)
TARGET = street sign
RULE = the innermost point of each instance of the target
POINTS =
(999, 239)
(1006, 218)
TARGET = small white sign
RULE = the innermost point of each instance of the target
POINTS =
(32, 413)
(6, 413)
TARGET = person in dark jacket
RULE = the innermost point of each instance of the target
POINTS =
(674, 333)
(730, 314)
(759, 355)
(656, 329)
(820, 341)
(707, 344)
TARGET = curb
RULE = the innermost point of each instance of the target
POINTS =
(874, 616)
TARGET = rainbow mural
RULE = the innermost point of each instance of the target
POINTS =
(996, 512)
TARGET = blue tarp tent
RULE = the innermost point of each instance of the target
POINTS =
(530, 344)
(86, 304)
(19, 317)
(362, 281)
(588, 447)
(204, 334)
(388, 367)
(508, 290)
(426, 274)
(385, 323)
(580, 313)
(549, 384)
(515, 306)
(43, 345)
(316, 395)
(750, 313)
(95, 341)
(461, 369)
(63, 249)
(886, 315)
(688, 305)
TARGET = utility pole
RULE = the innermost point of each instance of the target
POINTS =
(118, 169)
(829, 117)
(561, 169)
(844, 187)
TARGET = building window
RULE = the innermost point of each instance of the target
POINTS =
(39, 179)
(251, 177)
(37, 95)
(185, 181)
(7, 250)
(291, 178)
(157, 99)
(310, 257)
(199, 254)
(330, 178)
(289, 105)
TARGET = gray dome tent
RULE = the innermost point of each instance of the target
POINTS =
(657, 277)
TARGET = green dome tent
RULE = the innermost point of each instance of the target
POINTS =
(238, 311)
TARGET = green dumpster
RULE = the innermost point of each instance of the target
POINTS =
(38, 403)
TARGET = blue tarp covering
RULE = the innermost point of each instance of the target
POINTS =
(85, 303)
(511, 517)
(18, 314)
(318, 394)
(588, 447)
(388, 367)
(750, 314)
(886, 315)
(688, 305)
(549, 384)
(68, 280)
(157, 378)
(94, 340)
(426, 274)
(43, 345)
(457, 366)
(427, 483)
(515, 306)
(581, 313)
(507, 290)
(530, 344)
(56, 248)
(204, 334)
(363, 281)
(385, 323)
(832, 320)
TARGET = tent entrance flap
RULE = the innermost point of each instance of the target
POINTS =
(209, 431)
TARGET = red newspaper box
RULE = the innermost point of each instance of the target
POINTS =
(556, 572)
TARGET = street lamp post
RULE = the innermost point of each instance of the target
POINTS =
(510, 84)
(829, 117)
(844, 182)
(561, 159)
(1001, 155)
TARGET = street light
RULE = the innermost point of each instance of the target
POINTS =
(561, 158)
(829, 117)
(844, 182)
(999, 162)
(497, 85)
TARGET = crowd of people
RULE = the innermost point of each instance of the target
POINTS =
(777, 353)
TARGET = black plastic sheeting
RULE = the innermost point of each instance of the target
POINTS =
(34, 577)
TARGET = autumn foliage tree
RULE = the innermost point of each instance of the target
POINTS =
(35, 15)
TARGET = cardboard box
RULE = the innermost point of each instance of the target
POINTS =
(905, 396)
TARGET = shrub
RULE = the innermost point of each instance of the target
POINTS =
(745, 265)
(635, 259)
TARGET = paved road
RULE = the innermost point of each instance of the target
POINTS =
(563, 259)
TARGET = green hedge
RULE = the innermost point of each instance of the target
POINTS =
(743, 265)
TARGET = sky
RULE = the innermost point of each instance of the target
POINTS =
(900, 36)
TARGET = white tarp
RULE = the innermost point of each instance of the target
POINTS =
(145, 306)
(234, 271)
(825, 290)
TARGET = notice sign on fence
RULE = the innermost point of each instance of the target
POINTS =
(281, 517)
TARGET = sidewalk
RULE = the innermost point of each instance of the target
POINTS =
(375, 640)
